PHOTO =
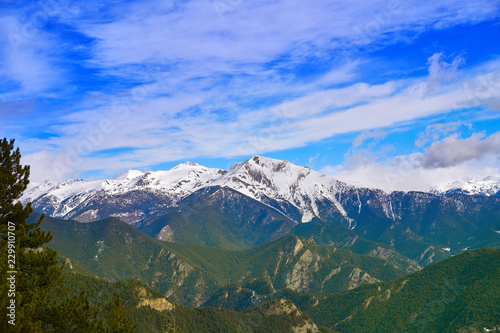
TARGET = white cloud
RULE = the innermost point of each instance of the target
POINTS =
(312, 160)
(440, 163)
(434, 132)
(453, 150)
(440, 71)
(258, 31)
(207, 87)
(183, 127)
(377, 134)
(483, 88)
(27, 58)
(405, 173)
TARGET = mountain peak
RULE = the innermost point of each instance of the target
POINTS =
(188, 163)
(257, 159)
(269, 163)
(128, 174)
(264, 179)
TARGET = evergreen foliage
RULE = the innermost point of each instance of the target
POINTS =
(458, 294)
(34, 286)
(114, 250)
(263, 318)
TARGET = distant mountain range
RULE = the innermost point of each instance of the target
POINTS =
(263, 199)
(489, 186)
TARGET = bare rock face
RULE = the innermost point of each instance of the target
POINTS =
(302, 273)
(160, 304)
(357, 278)
(285, 307)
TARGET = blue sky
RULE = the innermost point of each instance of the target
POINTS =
(393, 94)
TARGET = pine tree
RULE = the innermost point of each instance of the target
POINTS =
(35, 267)
(118, 320)
(30, 274)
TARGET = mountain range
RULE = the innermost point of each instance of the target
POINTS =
(290, 285)
(278, 287)
(261, 200)
(459, 294)
(191, 274)
(210, 250)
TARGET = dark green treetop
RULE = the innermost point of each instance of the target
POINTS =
(35, 284)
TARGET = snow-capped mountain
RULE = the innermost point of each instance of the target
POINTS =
(262, 199)
(124, 196)
(263, 178)
(294, 191)
(484, 187)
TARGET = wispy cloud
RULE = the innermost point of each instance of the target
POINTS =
(441, 71)
(29, 66)
(258, 31)
(435, 132)
(174, 128)
(172, 80)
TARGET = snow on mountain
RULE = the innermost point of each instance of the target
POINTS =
(66, 199)
(129, 174)
(182, 179)
(261, 177)
(297, 192)
(485, 187)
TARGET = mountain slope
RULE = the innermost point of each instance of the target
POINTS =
(347, 239)
(153, 312)
(279, 183)
(262, 199)
(190, 274)
(218, 216)
(460, 294)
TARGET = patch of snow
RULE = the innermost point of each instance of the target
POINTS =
(101, 246)
(352, 223)
(129, 174)
(486, 186)
(307, 217)
(359, 202)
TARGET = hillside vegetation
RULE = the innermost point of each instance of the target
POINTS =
(460, 294)
(191, 274)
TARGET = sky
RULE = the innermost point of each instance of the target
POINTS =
(399, 95)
